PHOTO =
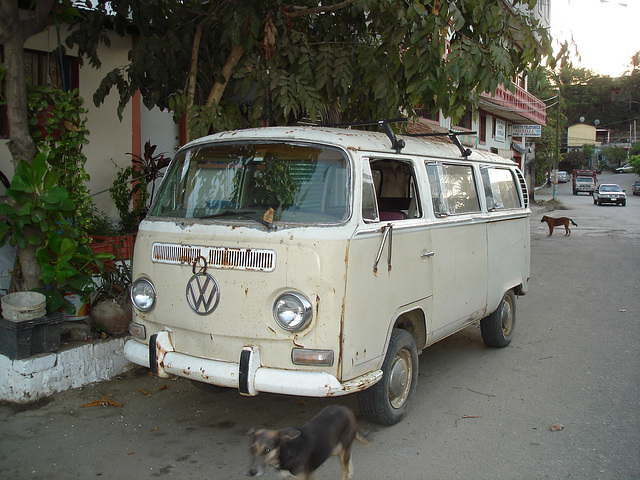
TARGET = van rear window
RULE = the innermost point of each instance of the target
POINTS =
(300, 183)
(500, 188)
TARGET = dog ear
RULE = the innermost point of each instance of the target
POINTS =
(288, 434)
(254, 431)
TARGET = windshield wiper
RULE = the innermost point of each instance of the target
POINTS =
(240, 213)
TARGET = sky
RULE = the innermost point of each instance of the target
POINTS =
(605, 32)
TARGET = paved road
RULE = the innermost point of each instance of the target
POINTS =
(480, 413)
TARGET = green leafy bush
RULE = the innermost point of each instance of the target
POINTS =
(37, 215)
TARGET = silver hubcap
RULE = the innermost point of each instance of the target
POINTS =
(400, 378)
(507, 316)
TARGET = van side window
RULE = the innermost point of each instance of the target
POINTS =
(395, 189)
(369, 206)
(453, 189)
(500, 188)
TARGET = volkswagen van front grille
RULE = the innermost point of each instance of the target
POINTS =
(217, 257)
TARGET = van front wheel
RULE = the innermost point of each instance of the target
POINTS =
(387, 401)
(497, 328)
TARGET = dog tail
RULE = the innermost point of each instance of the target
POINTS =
(573, 222)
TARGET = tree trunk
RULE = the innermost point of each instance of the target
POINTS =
(13, 33)
(193, 73)
(21, 145)
(218, 88)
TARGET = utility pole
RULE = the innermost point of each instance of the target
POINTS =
(557, 160)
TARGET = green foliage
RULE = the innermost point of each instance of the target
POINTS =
(634, 160)
(115, 282)
(38, 217)
(130, 207)
(361, 59)
(588, 149)
(101, 224)
(57, 124)
(615, 156)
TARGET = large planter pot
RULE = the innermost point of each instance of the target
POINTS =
(112, 316)
(120, 246)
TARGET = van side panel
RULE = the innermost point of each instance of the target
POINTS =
(459, 275)
(508, 255)
(374, 298)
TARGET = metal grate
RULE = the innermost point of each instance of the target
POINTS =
(523, 187)
(217, 257)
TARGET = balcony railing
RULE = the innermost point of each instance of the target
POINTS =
(519, 103)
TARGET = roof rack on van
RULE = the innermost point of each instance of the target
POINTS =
(452, 135)
(396, 144)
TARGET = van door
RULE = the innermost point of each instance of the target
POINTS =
(388, 265)
(459, 241)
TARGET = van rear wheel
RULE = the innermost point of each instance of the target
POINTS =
(497, 328)
(387, 401)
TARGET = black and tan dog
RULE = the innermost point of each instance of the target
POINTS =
(299, 451)
(555, 222)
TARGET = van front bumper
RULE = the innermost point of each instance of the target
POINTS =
(247, 375)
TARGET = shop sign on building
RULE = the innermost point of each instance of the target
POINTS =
(527, 131)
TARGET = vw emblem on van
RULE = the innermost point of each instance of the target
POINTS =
(203, 293)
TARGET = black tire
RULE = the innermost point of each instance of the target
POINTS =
(594, 201)
(599, 203)
(497, 328)
(387, 401)
(623, 204)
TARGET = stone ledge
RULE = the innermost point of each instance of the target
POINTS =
(29, 379)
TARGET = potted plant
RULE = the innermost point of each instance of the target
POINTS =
(111, 309)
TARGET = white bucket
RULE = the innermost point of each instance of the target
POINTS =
(81, 308)
(24, 305)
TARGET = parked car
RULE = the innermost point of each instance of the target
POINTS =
(563, 177)
(626, 168)
(636, 187)
(609, 193)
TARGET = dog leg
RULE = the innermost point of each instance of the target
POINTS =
(346, 463)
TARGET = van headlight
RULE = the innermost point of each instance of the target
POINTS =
(143, 294)
(292, 311)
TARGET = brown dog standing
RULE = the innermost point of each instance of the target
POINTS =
(301, 450)
(554, 222)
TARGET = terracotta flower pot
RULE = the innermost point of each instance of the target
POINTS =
(114, 317)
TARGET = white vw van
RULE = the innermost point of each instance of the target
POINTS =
(321, 261)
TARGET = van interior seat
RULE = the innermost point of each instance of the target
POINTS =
(387, 215)
(393, 208)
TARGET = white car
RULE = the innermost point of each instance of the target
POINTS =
(626, 168)
(609, 193)
(563, 177)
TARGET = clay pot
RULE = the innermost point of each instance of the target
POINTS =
(114, 317)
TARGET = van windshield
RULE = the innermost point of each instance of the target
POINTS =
(266, 182)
